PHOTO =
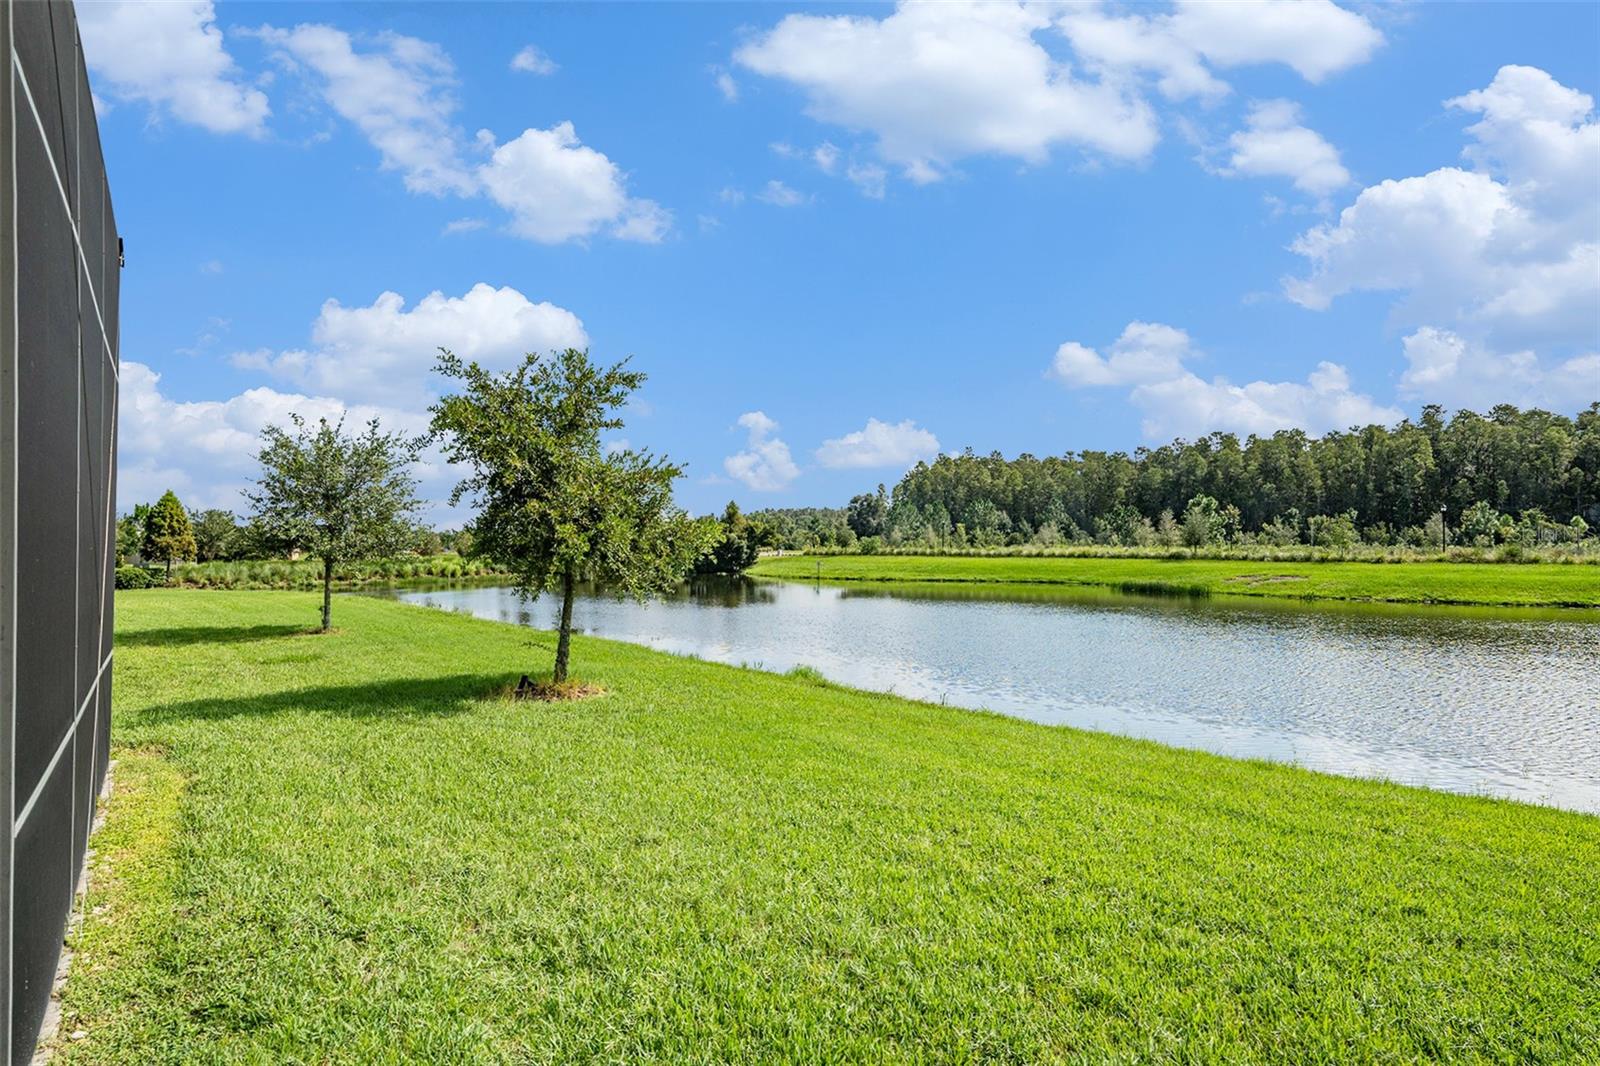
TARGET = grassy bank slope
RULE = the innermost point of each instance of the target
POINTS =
(1529, 585)
(330, 848)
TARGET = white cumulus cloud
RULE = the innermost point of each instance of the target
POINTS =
(1503, 257)
(400, 92)
(530, 60)
(1122, 44)
(765, 465)
(170, 56)
(385, 353)
(1146, 352)
(1188, 405)
(879, 444)
(936, 82)
(205, 450)
(1445, 368)
(1274, 143)
(933, 83)
(1541, 136)
(1175, 401)
(1315, 38)
(558, 189)
(363, 362)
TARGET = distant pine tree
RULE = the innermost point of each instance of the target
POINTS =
(167, 532)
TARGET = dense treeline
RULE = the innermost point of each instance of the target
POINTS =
(1513, 476)
(793, 528)
(220, 536)
(1517, 478)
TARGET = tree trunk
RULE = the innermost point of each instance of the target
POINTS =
(564, 641)
(169, 569)
(327, 595)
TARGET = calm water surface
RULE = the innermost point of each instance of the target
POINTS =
(1503, 703)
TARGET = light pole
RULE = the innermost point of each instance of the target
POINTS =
(1441, 529)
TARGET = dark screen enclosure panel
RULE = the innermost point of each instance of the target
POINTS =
(60, 263)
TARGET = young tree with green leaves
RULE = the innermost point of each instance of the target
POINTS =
(1332, 531)
(214, 533)
(553, 505)
(868, 514)
(740, 545)
(425, 541)
(167, 533)
(336, 496)
(1206, 522)
(461, 542)
(130, 533)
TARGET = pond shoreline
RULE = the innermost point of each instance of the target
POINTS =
(1563, 585)
(1464, 699)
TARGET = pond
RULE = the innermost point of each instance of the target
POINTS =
(1497, 702)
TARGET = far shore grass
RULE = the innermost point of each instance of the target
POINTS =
(345, 848)
(1485, 584)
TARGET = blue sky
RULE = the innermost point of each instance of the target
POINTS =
(842, 238)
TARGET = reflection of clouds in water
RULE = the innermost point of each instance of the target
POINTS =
(1473, 702)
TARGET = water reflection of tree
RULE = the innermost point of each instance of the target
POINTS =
(728, 591)
(1434, 625)
(709, 590)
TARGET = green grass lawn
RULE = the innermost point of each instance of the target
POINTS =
(335, 849)
(1500, 584)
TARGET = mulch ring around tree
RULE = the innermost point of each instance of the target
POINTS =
(550, 691)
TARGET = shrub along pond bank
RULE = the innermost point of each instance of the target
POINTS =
(307, 573)
(1532, 585)
(337, 847)
(1582, 552)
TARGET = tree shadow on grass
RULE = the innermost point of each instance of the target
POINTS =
(400, 698)
(186, 635)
